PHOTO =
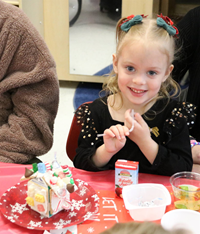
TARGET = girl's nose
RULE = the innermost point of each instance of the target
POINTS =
(139, 79)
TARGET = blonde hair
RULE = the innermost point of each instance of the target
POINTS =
(141, 228)
(147, 32)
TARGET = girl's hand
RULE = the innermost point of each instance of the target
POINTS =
(141, 132)
(129, 119)
(115, 138)
(142, 137)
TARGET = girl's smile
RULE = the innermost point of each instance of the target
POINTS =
(137, 92)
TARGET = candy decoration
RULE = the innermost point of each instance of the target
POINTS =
(65, 167)
(55, 174)
(35, 167)
(68, 175)
(41, 167)
(55, 163)
(70, 188)
(56, 210)
(40, 208)
(66, 170)
(30, 201)
(61, 192)
(66, 180)
(28, 172)
(39, 198)
(48, 166)
(66, 205)
(53, 180)
(61, 175)
(71, 181)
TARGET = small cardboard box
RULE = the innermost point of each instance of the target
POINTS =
(126, 173)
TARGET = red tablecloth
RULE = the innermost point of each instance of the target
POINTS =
(10, 175)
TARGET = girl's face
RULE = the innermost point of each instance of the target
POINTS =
(141, 71)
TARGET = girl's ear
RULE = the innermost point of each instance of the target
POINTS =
(168, 72)
(115, 63)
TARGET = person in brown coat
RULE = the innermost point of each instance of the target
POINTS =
(29, 89)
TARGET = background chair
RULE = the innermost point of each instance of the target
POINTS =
(72, 139)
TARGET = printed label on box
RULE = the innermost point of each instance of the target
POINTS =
(126, 173)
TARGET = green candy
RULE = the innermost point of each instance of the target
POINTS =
(180, 206)
(35, 167)
(55, 174)
(184, 187)
(71, 181)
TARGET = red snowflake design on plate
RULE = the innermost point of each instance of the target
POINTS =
(84, 204)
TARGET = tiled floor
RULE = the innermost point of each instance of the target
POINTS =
(92, 39)
(92, 42)
(62, 124)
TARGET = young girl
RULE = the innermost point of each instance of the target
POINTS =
(141, 81)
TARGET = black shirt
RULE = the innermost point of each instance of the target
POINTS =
(169, 128)
(189, 60)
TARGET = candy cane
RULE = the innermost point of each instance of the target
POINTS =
(48, 167)
(57, 206)
(62, 200)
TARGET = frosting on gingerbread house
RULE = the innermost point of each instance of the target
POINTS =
(49, 188)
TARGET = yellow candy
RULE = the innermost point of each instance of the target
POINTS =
(30, 201)
(187, 204)
(39, 198)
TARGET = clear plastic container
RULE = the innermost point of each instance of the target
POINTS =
(146, 202)
(186, 188)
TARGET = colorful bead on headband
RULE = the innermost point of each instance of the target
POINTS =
(130, 21)
(166, 23)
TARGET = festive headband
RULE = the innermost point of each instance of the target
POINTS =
(162, 21)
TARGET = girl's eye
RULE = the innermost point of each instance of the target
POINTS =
(129, 68)
(152, 73)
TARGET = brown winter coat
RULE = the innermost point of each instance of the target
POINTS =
(29, 89)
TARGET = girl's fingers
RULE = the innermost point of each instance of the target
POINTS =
(129, 119)
(139, 122)
(139, 119)
(109, 133)
(117, 131)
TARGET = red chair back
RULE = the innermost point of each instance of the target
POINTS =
(72, 139)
